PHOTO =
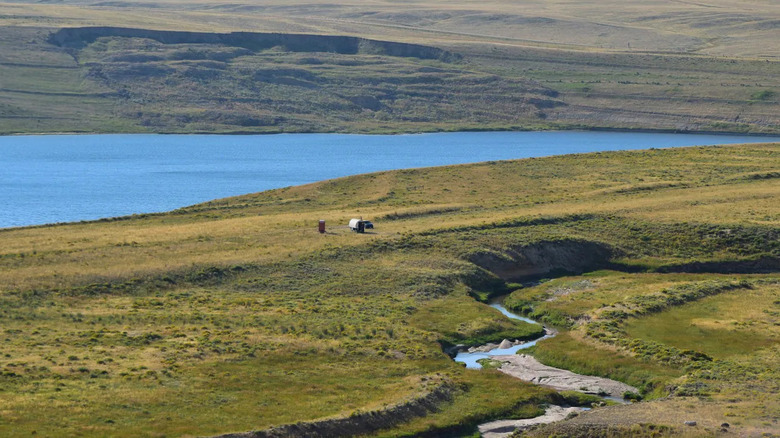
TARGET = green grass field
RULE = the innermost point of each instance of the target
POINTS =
(714, 354)
(237, 315)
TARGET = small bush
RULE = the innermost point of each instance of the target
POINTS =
(630, 395)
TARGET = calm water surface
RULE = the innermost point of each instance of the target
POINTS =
(45, 179)
(470, 359)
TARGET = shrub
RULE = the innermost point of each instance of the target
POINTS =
(630, 395)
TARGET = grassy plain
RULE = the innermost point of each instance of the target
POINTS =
(237, 314)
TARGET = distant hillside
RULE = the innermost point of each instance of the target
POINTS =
(118, 79)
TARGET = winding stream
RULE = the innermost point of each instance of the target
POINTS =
(527, 368)
(470, 359)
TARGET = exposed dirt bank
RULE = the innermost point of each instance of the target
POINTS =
(358, 424)
(527, 368)
(761, 265)
(503, 428)
(573, 257)
(506, 343)
(544, 258)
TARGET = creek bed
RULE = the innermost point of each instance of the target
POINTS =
(472, 355)
(527, 368)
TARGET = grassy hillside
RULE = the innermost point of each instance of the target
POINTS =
(708, 340)
(709, 66)
(711, 27)
(237, 315)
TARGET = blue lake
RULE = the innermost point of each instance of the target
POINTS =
(63, 178)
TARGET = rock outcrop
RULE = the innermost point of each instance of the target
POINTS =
(78, 37)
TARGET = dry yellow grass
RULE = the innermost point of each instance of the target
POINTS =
(715, 27)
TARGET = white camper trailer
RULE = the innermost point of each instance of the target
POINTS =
(357, 225)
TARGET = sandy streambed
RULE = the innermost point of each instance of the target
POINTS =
(525, 367)
(503, 428)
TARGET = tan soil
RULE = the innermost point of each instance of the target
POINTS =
(527, 368)
(503, 428)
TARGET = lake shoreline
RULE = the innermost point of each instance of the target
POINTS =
(51, 179)
(394, 132)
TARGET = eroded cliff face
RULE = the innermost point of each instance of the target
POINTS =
(78, 37)
(545, 258)
(761, 265)
(571, 257)
(246, 82)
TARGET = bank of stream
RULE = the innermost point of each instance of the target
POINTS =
(472, 355)
(527, 368)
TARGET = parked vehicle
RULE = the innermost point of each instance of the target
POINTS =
(360, 226)
(357, 225)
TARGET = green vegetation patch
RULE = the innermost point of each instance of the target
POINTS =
(668, 334)
(449, 317)
(732, 323)
(492, 395)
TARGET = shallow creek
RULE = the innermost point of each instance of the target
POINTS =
(470, 359)
(527, 368)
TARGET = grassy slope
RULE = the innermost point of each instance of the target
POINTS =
(714, 27)
(715, 354)
(675, 66)
(238, 314)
